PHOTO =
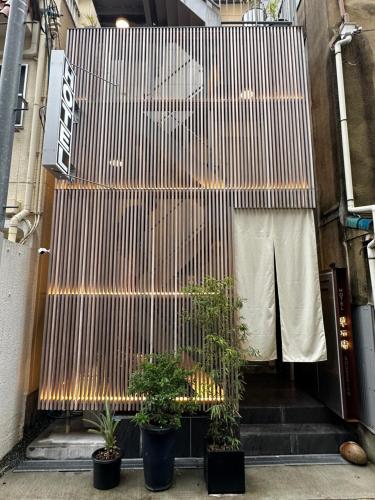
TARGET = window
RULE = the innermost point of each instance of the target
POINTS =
(74, 10)
(21, 104)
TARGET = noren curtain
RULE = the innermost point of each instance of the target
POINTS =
(279, 246)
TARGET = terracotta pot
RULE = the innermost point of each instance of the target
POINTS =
(353, 453)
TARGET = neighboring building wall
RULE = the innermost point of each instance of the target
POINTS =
(321, 21)
(17, 296)
(346, 247)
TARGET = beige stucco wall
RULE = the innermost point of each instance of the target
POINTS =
(23, 274)
(232, 13)
(17, 292)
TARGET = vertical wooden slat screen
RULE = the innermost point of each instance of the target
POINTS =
(177, 127)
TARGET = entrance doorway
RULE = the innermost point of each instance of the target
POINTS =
(280, 418)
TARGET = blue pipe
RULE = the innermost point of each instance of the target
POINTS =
(359, 223)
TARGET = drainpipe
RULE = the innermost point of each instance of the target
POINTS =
(34, 144)
(347, 31)
(344, 15)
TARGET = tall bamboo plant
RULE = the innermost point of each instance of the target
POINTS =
(215, 311)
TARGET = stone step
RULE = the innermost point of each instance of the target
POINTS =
(315, 413)
(294, 439)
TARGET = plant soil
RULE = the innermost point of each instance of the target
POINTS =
(111, 454)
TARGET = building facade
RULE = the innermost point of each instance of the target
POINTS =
(188, 140)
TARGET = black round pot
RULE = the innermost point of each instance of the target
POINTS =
(106, 472)
(158, 457)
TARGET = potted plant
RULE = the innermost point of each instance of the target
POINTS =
(161, 382)
(107, 460)
(215, 311)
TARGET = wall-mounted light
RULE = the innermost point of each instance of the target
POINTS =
(116, 163)
(121, 22)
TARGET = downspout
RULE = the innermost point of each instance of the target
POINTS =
(34, 143)
(344, 15)
(347, 31)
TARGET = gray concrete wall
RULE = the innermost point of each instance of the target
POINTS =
(17, 274)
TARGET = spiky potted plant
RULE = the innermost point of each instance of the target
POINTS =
(106, 460)
(215, 312)
(161, 384)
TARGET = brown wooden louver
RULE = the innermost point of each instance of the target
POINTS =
(178, 126)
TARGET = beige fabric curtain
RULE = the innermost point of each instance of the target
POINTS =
(287, 238)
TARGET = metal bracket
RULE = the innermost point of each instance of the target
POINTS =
(26, 108)
(348, 29)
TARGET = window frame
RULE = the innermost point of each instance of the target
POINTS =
(21, 93)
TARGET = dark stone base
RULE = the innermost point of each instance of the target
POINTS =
(224, 472)
(190, 437)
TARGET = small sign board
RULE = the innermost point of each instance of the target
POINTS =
(59, 122)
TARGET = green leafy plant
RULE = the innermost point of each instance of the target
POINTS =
(91, 21)
(255, 4)
(215, 312)
(273, 9)
(106, 426)
(162, 381)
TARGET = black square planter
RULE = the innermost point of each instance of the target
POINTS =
(224, 472)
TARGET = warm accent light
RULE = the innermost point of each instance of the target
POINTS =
(121, 22)
(96, 291)
(247, 94)
(116, 163)
(120, 399)
(63, 185)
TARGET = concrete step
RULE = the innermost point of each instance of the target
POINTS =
(59, 442)
(294, 439)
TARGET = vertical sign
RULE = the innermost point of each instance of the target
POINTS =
(59, 116)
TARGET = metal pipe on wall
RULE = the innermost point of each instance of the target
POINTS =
(344, 15)
(9, 84)
(34, 143)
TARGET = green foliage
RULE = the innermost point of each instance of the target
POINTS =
(91, 21)
(215, 312)
(161, 380)
(273, 9)
(105, 425)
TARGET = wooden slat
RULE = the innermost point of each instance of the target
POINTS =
(196, 122)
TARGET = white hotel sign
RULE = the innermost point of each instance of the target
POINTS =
(59, 116)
